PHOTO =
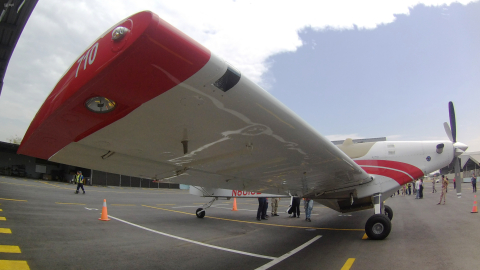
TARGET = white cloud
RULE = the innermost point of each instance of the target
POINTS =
(245, 33)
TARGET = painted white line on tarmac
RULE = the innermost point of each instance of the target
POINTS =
(196, 242)
(288, 254)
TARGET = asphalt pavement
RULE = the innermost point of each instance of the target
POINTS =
(44, 225)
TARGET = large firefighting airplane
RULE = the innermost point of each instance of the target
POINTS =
(146, 100)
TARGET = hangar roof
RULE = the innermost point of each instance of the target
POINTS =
(13, 17)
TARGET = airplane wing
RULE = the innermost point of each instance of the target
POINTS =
(146, 100)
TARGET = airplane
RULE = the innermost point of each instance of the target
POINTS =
(147, 100)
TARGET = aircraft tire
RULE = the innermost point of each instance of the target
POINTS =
(378, 227)
(200, 213)
(388, 212)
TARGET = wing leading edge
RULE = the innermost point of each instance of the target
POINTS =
(183, 115)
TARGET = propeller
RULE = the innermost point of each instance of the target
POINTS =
(453, 124)
(458, 147)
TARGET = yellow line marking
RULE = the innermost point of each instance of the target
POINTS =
(166, 204)
(3, 218)
(1, 210)
(13, 265)
(251, 222)
(365, 237)
(348, 264)
(9, 249)
(12, 200)
(70, 203)
(123, 204)
(5, 230)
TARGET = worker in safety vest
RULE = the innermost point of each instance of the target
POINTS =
(79, 180)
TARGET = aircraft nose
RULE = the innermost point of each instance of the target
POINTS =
(461, 146)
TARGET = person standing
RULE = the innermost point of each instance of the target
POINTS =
(265, 208)
(420, 188)
(417, 188)
(261, 208)
(296, 207)
(409, 189)
(308, 204)
(444, 189)
(433, 185)
(454, 183)
(274, 206)
(474, 183)
(80, 181)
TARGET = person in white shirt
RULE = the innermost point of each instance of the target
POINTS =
(417, 188)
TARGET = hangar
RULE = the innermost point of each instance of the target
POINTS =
(13, 164)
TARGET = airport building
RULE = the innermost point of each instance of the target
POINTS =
(13, 164)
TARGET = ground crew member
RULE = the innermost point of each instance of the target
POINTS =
(444, 189)
(275, 206)
(80, 181)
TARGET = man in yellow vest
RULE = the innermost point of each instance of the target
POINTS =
(79, 180)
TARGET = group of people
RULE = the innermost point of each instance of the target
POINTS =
(294, 209)
(418, 186)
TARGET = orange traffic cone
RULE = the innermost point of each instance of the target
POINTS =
(234, 204)
(474, 208)
(104, 211)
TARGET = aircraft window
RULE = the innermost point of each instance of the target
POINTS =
(228, 80)
(391, 152)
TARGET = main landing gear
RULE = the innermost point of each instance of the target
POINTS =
(378, 226)
(201, 211)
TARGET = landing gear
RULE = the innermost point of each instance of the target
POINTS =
(201, 211)
(388, 212)
(378, 226)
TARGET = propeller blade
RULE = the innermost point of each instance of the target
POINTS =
(448, 131)
(456, 165)
(453, 123)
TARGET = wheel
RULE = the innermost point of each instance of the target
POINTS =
(200, 213)
(388, 212)
(378, 227)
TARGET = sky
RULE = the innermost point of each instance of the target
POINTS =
(351, 69)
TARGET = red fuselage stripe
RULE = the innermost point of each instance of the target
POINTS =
(398, 171)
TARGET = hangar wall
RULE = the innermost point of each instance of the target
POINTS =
(13, 164)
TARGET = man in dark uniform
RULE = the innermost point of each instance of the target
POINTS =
(262, 202)
(474, 183)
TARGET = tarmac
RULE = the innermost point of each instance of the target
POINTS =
(44, 225)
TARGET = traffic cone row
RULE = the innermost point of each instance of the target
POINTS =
(474, 208)
(104, 216)
(234, 204)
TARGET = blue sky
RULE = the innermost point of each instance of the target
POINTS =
(395, 80)
(349, 68)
